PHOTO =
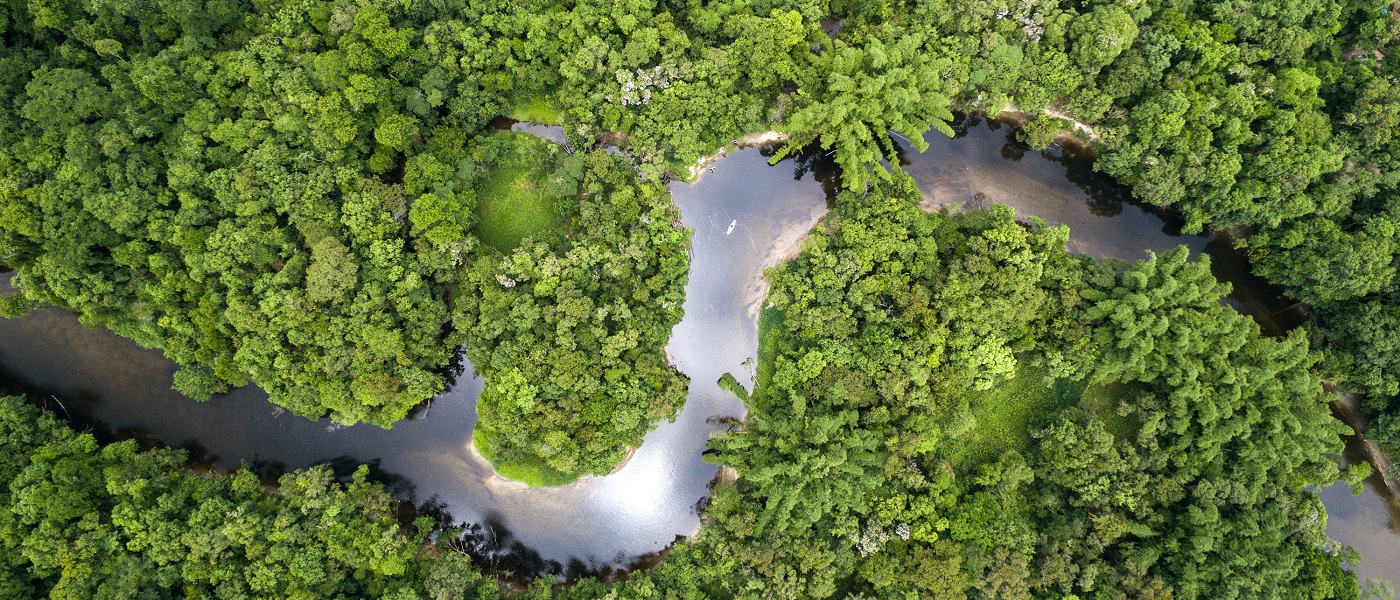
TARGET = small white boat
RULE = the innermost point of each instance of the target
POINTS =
(731, 227)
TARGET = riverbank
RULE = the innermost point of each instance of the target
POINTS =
(600, 521)
(1021, 117)
(631, 453)
(759, 138)
(1348, 406)
(785, 248)
(533, 474)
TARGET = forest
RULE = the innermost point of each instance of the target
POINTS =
(885, 453)
(567, 326)
(1164, 448)
(309, 196)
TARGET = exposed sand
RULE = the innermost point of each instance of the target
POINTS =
(1011, 111)
(753, 139)
(631, 452)
(784, 249)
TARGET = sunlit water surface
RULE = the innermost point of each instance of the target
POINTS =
(621, 520)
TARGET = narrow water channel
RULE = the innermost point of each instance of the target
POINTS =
(985, 164)
(616, 521)
(594, 525)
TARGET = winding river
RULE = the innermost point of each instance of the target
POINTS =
(600, 524)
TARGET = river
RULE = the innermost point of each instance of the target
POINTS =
(604, 523)
(592, 526)
(985, 164)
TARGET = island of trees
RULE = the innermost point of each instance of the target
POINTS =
(308, 196)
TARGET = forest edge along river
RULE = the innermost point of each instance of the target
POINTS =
(747, 215)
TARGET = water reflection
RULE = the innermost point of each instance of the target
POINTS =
(1369, 523)
(553, 133)
(603, 525)
(986, 164)
(597, 525)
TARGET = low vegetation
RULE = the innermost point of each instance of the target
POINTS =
(539, 109)
(513, 202)
(932, 426)
(306, 197)
(1004, 416)
(568, 327)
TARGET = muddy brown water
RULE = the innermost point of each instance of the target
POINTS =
(601, 524)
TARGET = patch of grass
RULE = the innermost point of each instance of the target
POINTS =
(1010, 411)
(512, 201)
(1103, 399)
(770, 326)
(537, 110)
(532, 472)
(1006, 414)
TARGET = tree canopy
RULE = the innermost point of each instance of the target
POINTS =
(82, 520)
(306, 196)
(1173, 447)
(568, 327)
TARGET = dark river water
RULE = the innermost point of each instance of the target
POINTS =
(602, 523)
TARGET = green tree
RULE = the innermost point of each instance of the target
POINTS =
(1101, 35)
(858, 95)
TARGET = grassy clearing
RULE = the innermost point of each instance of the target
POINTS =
(1103, 399)
(770, 323)
(532, 472)
(537, 110)
(1008, 413)
(1004, 414)
(512, 202)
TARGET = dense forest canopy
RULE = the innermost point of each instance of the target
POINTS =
(568, 324)
(232, 182)
(307, 196)
(84, 521)
(948, 406)
(1169, 443)
(291, 198)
